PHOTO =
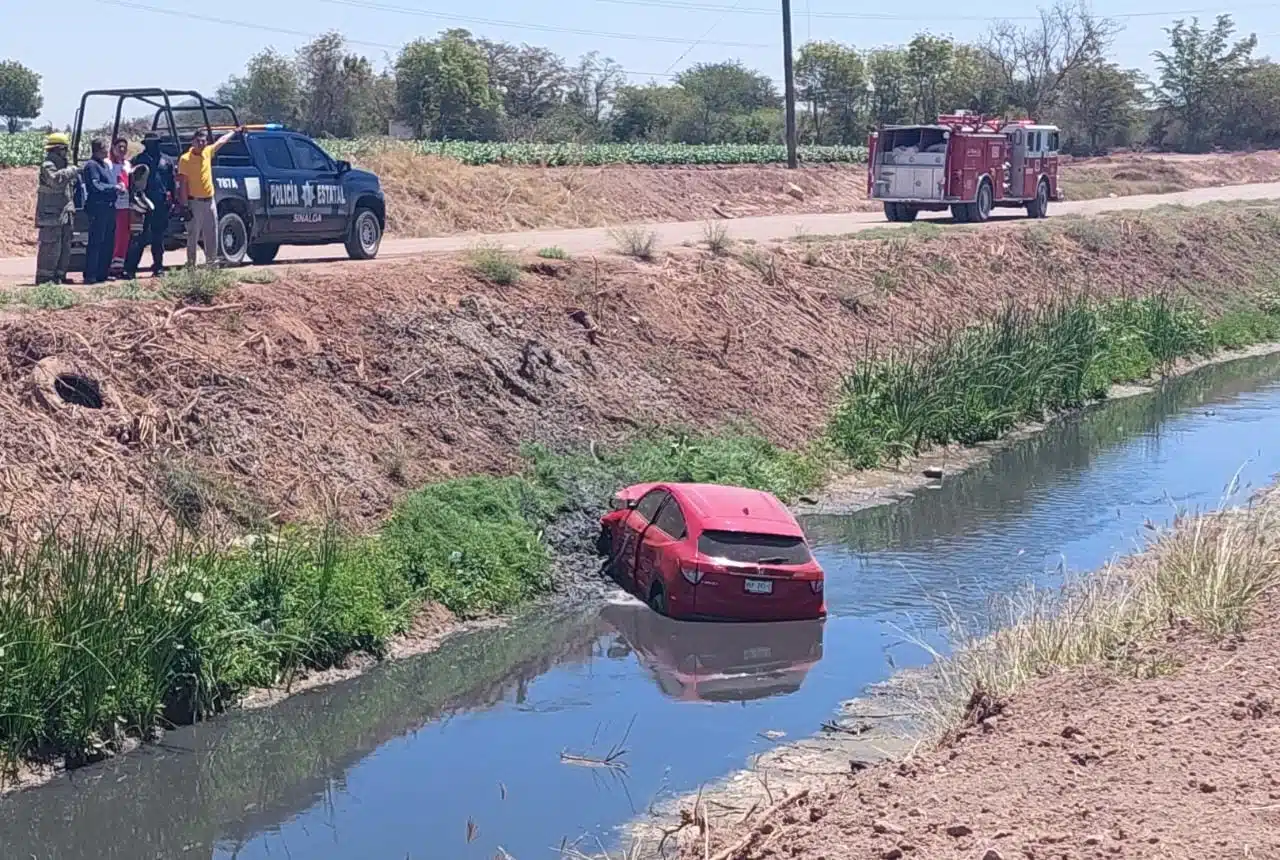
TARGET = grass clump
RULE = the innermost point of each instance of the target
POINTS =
(46, 297)
(553, 253)
(495, 264)
(257, 276)
(197, 285)
(1207, 572)
(474, 544)
(716, 238)
(635, 242)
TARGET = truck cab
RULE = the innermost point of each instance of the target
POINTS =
(273, 186)
(964, 162)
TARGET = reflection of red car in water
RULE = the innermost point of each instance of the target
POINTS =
(718, 662)
(706, 551)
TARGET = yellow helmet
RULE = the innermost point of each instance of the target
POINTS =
(57, 139)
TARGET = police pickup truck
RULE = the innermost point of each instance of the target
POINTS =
(277, 187)
(273, 186)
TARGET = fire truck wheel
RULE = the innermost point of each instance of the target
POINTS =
(960, 212)
(1039, 207)
(891, 212)
(907, 213)
(980, 209)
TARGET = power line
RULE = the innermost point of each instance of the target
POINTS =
(546, 28)
(247, 25)
(875, 16)
(702, 41)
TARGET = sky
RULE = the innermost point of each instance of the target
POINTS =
(651, 39)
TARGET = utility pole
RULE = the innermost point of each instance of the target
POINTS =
(789, 74)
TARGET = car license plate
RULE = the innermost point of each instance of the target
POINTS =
(759, 586)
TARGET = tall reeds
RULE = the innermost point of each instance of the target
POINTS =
(977, 383)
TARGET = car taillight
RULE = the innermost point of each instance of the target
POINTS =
(691, 574)
(816, 585)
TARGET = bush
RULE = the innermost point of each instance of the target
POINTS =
(635, 242)
(494, 264)
(198, 285)
(553, 254)
(474, 544)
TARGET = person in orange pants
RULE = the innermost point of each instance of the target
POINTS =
(120, 172)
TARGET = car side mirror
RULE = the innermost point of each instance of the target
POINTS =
(343, 167)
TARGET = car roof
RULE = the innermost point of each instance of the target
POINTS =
(731, 509)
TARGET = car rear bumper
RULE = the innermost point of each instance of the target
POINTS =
(723, 599)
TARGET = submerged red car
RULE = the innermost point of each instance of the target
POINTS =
(712, 552)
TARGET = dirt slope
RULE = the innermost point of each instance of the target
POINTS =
(433, 197)
(331, 392)
(1085, 765)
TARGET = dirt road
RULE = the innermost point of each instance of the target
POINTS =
(759, 229)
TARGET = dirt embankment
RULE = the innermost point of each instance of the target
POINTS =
(430, 196)
(330, 393)
(1086, 764)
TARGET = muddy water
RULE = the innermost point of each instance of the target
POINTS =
(397, 763)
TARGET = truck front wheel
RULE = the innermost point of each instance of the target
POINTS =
(365, 236)
(1039, 207)
(264, 253)
(233, 237)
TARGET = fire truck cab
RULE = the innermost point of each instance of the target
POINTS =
(964, 162)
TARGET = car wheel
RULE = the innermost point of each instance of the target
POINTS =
(366, 235)
(233, 238)
(264, 252)
(658, 599)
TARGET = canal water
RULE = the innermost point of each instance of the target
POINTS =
(459, 754)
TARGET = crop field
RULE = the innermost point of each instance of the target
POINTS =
(23, 149)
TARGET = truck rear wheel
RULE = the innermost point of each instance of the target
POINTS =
(980, 209)
(365, 236)
(960, 212)
(233, 238)
(264, 252)
(900, 212)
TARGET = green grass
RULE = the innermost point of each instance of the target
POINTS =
(495, 264)
(197, 285)
(977, 383)
(553, 253)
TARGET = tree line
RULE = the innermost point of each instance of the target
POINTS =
(1208, 89)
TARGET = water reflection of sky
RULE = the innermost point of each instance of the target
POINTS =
(379, 768)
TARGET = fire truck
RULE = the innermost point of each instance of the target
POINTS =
(964, 162)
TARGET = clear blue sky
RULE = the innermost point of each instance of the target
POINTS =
(94, 33)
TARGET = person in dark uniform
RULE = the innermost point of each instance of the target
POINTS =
(161, 190)
(100, 206)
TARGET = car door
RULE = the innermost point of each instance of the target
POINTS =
(283, 195)
(633, 528)
(656, 557)
(322, 194)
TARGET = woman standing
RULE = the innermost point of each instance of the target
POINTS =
(120, 173)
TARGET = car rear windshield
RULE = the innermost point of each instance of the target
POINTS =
(753, 549)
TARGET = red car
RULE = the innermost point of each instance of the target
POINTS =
(706, 551)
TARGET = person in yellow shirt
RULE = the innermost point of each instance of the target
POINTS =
(196, 192)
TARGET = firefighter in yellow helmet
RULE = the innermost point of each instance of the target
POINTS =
(55, 210)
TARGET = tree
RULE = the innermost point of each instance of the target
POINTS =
(929, 60)
(651, 112)
(887, 69)
(530, 82)
(269, 91)
(720, 91)
(1253, 115)
(832, 79)
(442, 87)
(337, 87)
(593, 86)
(1195, 74)
(20, 97)
(1036, 59)
(1098, 107)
